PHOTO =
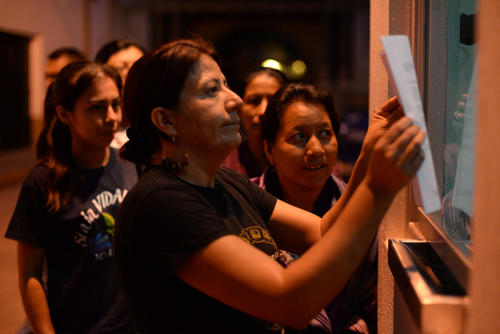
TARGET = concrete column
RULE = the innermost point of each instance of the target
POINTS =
(484, 291)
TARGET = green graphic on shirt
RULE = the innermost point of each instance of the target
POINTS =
(110, 223)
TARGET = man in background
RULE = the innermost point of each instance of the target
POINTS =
(58, 59)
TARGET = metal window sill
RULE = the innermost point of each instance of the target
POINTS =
(434, 297)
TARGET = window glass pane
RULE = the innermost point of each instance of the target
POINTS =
(460, 118)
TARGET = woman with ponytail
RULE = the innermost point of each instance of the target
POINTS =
(65, 212)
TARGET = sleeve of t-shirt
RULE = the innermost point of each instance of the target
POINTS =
(261, 199)
(29, 220)
(264, 201)
(176, 224)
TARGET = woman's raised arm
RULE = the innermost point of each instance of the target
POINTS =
(251, 281)
(381, 120)
(296, 232)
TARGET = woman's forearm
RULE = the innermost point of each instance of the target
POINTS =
(30, 268)
(381, 120)
(293, 295)
(36, 306)
(394, 160)
(332, 260)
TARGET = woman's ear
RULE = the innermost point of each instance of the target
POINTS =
(62, 114)
(162, 120)
(268, 150)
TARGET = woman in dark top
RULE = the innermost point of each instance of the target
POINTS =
(65, 213)
(249, 158)
(195, 244)
(300, 129)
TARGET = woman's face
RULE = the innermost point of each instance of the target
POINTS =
(305, 148)
(257, 94)
(123, 60)
(207, 120)
(96, 116)
(54, 66)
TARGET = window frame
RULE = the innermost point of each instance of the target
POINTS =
(429, 34)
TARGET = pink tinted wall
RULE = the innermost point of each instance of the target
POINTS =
(484, 308)
(49, 24)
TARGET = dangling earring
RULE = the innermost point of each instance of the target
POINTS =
(176, 166)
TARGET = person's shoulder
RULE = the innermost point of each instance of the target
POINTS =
(117, 164)
(228, 175)
(145, 186)
(154, 180)
(159, 192)
(35, 187)
(38, 176)
(237, 183)
(115, 159)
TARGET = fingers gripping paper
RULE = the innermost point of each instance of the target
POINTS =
(399, 65)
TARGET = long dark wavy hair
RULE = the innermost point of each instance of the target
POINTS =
(53, 147)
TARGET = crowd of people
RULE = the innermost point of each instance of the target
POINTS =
(162, 202)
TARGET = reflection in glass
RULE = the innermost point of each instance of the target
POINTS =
(459, 152)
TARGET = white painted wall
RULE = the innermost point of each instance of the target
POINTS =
(57, 22)
(83, 24)
(50, 24)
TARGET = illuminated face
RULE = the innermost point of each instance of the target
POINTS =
(305, 148)
(123, 60)
(257, 94)
(96, 116)
(208, 112)
(54, 66)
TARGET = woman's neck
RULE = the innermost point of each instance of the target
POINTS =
(258, 154)
(200, 172)
(89, 157)
(299, 196)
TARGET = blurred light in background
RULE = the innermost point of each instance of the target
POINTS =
(298, 69)
(295, 70)
(271, 63)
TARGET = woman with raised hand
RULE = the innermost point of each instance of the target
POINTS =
(65, 213)
(196, 245)
(300, 129)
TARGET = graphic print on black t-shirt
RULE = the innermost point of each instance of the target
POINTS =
(83, 294)
(257, 235)
(185, 218)
(97, 229)
(100, 238)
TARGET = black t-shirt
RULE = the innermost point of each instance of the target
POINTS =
(161, 224)
(82, 287)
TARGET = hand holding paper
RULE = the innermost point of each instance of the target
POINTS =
(399, 65)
